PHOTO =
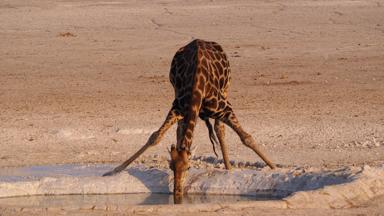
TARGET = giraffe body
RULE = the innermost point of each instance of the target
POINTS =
(200, 76)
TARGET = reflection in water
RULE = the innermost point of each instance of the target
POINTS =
(77, 201)
(178, 199)
(204, 198)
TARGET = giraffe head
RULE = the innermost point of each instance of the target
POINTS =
(179, 164)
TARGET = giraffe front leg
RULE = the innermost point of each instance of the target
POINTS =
(220, 132)
(153, 140)
(246, 138)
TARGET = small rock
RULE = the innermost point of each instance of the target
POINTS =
(377, 144)
(66, 34)
(355, 143)
(233, 163)
(365, 144)
(219, 166)
(241, 164)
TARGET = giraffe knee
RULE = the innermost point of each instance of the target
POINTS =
(248, 141)
(154, 138)
(219, 127)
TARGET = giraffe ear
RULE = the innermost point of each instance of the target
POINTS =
(173, 152)
(169, 150)
(185, 156)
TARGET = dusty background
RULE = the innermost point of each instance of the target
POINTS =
(87, 81)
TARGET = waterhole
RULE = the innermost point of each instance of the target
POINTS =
(25, 175)
(83, 185)
(79, 201)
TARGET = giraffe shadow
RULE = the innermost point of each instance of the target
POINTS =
(242, 164)
(260, 185)
(311, 181)
(156, 180)
(278, 185)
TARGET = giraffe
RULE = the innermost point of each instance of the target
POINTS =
(200, 76)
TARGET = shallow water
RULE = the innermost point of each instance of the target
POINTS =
(79, 201)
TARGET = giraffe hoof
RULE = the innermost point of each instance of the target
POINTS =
(110, 173)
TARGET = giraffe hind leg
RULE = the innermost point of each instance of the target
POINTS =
(172, 117)
(220, 132)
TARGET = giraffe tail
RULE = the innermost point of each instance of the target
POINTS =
(212, 136)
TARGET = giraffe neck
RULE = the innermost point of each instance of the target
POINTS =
(198, 92)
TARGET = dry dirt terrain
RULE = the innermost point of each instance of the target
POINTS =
(87, 81)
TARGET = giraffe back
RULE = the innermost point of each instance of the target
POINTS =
(205, 65)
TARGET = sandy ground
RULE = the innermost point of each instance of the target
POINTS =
(87, 81)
